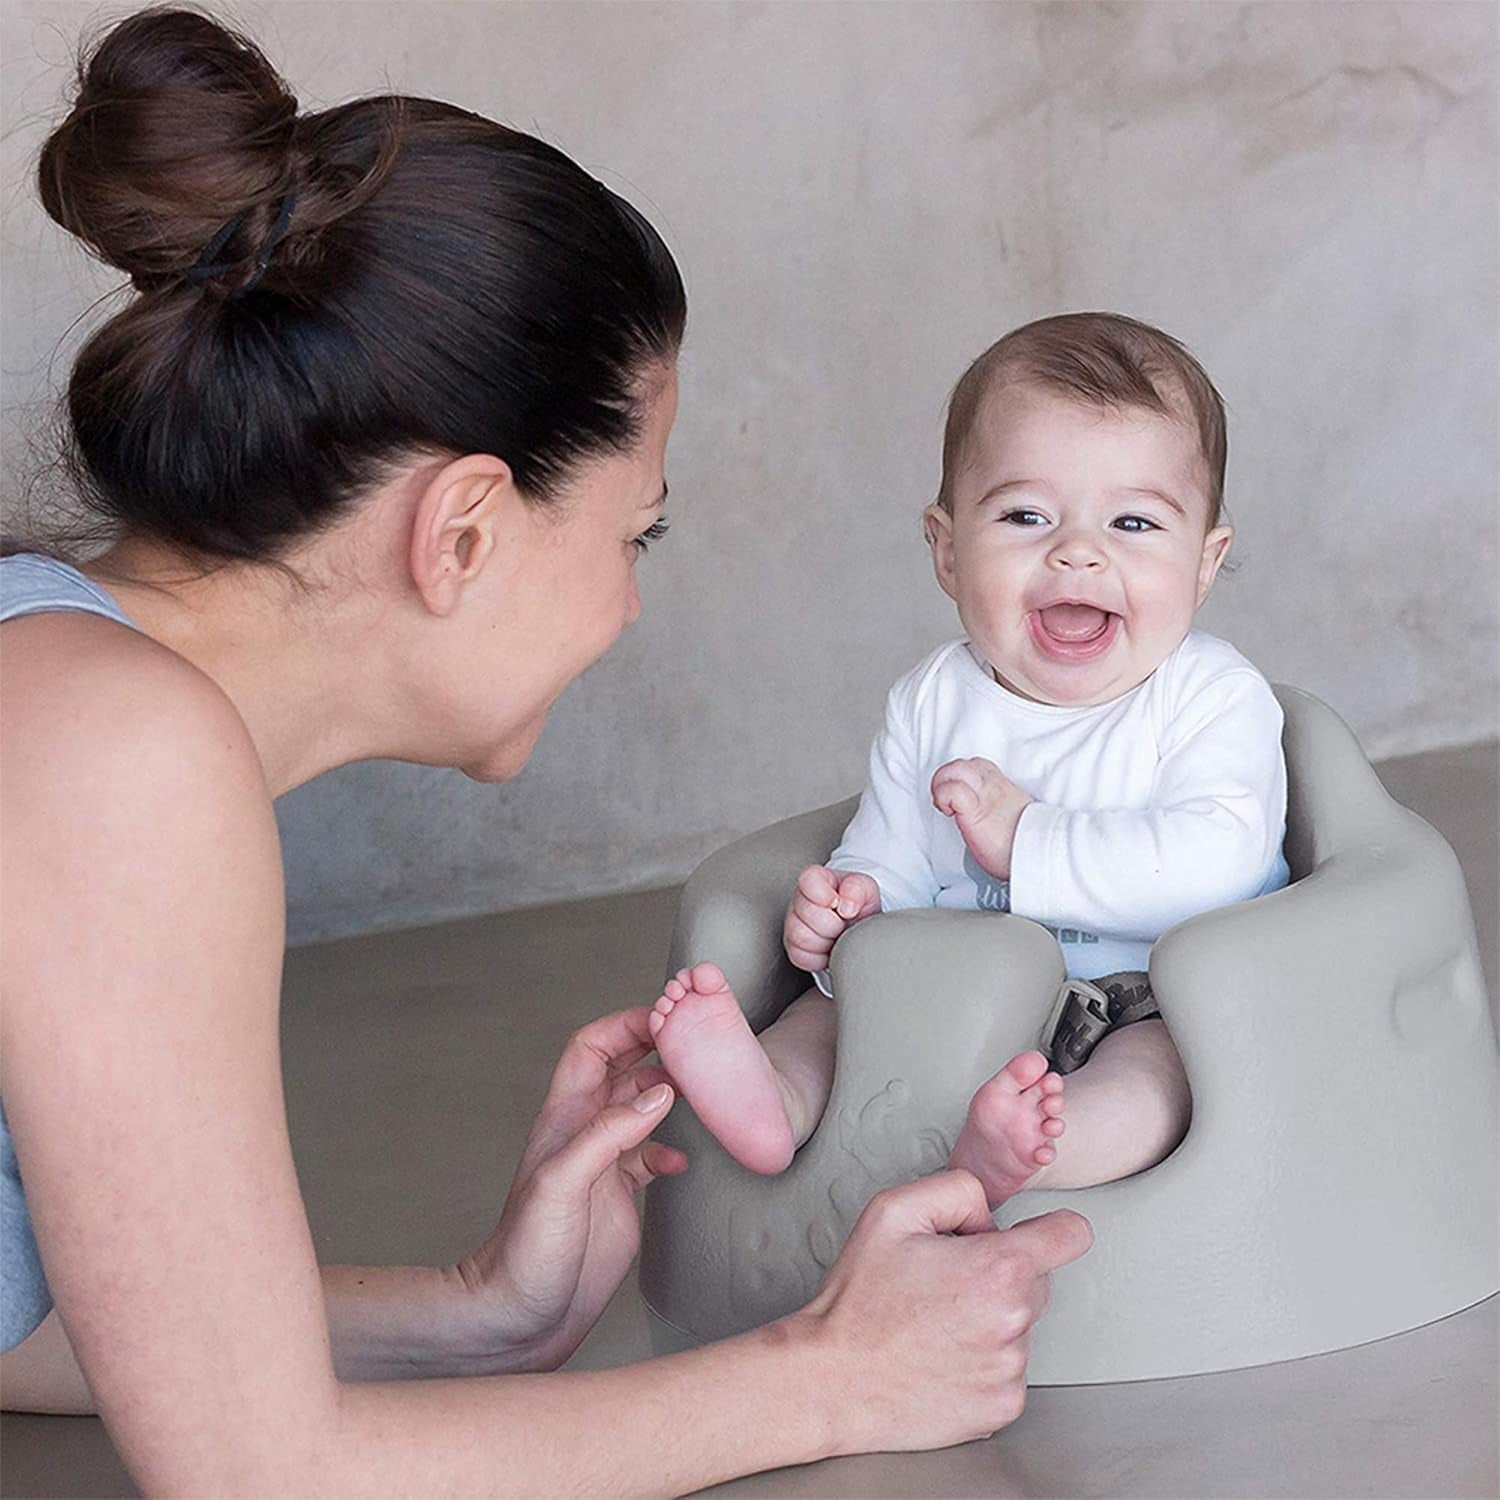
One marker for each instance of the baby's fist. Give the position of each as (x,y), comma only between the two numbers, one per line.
(826,902)
(987,807)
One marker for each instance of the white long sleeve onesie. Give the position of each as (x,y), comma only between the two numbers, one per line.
(1163,802)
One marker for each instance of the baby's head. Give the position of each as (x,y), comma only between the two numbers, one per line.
(1077,527)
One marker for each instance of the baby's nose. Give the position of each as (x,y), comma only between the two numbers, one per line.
(1077,552)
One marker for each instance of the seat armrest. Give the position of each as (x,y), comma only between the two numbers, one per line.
(1335,983)
(734,903)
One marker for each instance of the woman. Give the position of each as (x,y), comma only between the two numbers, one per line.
(381,436)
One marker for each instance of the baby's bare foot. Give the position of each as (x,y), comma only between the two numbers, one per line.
(721,1070)
(1013,1120)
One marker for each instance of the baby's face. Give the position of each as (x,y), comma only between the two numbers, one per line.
(1078,547)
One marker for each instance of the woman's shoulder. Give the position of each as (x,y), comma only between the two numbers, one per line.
(87,694)
(122,761)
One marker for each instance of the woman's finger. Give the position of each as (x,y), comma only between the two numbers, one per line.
(636,1081)
(618,1039)
(951,1202)
(1052,1240)
(646,1076)
(596,1052)
(650,1161)
(608,1136)
(586,1072)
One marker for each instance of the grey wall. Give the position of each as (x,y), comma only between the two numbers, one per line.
(862,196)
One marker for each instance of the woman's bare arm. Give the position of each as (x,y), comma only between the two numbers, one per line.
(384,1323)
(143,917)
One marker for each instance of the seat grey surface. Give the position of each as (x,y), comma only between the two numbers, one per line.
(1338,1182)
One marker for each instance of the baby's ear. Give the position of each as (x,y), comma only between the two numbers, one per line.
(1215,550)
(937,527)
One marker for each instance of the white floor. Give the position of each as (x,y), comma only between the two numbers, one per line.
(414,1061)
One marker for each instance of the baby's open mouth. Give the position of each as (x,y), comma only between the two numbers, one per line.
(1073,632)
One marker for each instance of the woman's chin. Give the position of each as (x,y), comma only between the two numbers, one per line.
(506,761)
(489,773)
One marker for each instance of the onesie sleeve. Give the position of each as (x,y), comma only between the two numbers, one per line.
(887,838)
(1211,835)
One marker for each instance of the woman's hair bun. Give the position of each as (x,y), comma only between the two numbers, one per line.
(179,125)
(325,295)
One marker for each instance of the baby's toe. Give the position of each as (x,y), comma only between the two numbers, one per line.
(707,979)
(1025,1070)
(1053,1128)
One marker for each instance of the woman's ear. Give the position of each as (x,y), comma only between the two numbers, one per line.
(1215,549)
(455,525)
(937,527)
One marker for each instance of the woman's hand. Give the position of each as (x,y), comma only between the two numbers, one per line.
(570,1228)
(927,1313)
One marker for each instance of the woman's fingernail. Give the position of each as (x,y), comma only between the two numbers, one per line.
(653,1099)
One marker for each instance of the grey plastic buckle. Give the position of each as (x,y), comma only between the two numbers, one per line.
(1079,1021)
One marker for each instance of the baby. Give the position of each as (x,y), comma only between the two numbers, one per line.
(1082,757)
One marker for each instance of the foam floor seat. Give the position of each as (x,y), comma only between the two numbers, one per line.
(1338,1182)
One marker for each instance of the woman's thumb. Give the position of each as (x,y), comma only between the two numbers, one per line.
(613,1132)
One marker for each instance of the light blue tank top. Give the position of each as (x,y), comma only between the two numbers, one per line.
(31,584)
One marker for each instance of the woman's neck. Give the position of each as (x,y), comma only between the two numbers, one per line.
(292,657)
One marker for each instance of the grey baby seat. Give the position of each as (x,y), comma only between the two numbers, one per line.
(1338,1182)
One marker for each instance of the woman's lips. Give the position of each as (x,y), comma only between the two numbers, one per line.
(1076,646)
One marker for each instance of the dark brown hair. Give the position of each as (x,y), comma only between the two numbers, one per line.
(1103,358)
(443,284)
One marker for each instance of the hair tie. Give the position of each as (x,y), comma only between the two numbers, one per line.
(206,267)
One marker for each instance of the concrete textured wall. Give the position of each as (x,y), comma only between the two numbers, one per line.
(862,196)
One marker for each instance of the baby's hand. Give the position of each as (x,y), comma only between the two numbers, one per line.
(826,902)
(985,804)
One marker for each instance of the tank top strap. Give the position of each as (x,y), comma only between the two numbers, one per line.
(32,583)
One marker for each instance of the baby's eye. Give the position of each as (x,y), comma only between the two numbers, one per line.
(1137,524)
(1023,516)
(653,533)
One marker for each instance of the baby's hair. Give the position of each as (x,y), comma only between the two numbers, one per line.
(1103,358)
(318,296)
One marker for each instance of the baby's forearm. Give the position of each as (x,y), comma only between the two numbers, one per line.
(1135,872)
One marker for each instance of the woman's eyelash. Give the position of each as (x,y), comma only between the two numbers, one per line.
(653,533)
